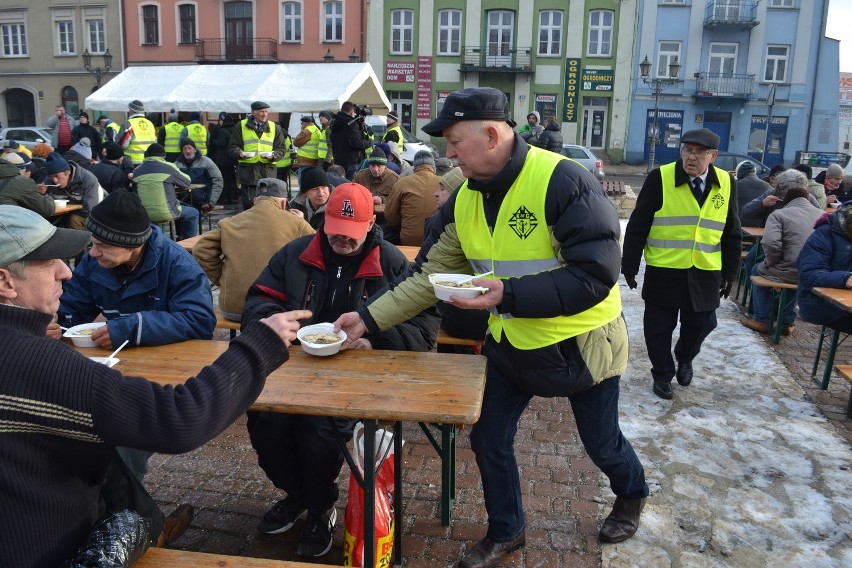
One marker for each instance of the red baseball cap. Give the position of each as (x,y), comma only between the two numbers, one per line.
(349,211)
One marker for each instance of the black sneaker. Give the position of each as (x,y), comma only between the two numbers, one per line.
(281,517)
(316,536)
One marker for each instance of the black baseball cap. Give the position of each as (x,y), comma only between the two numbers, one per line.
(478,103)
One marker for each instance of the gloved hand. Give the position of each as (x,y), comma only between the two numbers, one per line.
(725,288)
(631,281)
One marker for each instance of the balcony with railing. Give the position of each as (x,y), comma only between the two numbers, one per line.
(731,14)
(236,50)
(496,59)
(724,85)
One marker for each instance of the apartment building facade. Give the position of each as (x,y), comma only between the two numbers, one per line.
(46,46)
(743,64)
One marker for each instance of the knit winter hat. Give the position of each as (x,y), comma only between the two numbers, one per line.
(120,220)
(745,168)
(13,158)
(453,179)
(423,157)
(187,142)
(311,178)
(834,171)
(84,113)
(26,161)
(155,150)
(378,156)
(194,116)
(326,114)
(136,106)
(55,164)
(84,148)
(113,151)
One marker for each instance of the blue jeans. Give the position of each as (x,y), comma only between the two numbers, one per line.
(761,303)
(493,437)
(187,223)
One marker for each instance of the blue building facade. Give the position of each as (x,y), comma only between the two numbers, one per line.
(741,65)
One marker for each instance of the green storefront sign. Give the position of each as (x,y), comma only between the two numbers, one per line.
(597,80)
(572,83)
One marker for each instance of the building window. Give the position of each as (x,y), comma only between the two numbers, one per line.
(668,52)
(550,32)
(723,58)
(150,25)
(402,32)
(600,33)
(449,32)
(186,15)
(65,37)
(782,4)
(777,57)
(14,40)
(332,21)
(96,36)
(292,22)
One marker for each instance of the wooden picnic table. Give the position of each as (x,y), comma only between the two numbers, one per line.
(369,385)
(754,232)
(840,297)
(190,242)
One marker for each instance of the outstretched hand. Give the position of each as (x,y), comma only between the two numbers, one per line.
(353,325)
(286,324)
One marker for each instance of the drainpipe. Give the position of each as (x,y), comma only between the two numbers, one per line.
(822,27)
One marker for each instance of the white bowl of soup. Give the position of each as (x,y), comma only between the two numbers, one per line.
(447,285)
(81,335)
(319,339)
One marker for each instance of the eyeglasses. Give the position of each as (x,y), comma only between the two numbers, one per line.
(695,151)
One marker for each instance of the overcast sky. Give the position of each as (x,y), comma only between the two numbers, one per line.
(839,19)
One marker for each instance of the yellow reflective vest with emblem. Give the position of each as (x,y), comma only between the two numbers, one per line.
(171,141)
(684,235)
(197,132)
(251,143)
(143,136)
(310,149)
(522,244)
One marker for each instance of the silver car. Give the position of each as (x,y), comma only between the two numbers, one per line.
(27,136)
(585,157)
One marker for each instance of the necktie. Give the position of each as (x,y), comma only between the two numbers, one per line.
(696,189)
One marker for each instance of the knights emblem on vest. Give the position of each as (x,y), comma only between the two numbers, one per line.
(718,201)
(523,222)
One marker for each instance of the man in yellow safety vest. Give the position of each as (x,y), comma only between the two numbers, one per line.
(686,222)
(257,144)
(543,225)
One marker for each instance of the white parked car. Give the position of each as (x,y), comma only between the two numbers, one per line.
(585,157)
(27,136)
(379,124)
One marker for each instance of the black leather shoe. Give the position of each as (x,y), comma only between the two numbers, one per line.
(663,389)
(486,553)
(623,521)
(684,373)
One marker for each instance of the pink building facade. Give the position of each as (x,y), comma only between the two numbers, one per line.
(175,32)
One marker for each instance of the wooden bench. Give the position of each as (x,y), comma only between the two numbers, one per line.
(225,323)
(779,299)
(445,339)
(187,244)
(846,372)
(169,558)
(613,187)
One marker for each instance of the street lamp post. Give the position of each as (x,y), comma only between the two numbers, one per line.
(658,85)
(97,71)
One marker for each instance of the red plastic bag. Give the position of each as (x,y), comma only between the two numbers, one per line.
(353,544)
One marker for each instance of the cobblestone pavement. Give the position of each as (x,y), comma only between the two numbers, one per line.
(749,466)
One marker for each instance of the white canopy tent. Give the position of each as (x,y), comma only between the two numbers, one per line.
(294,87)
